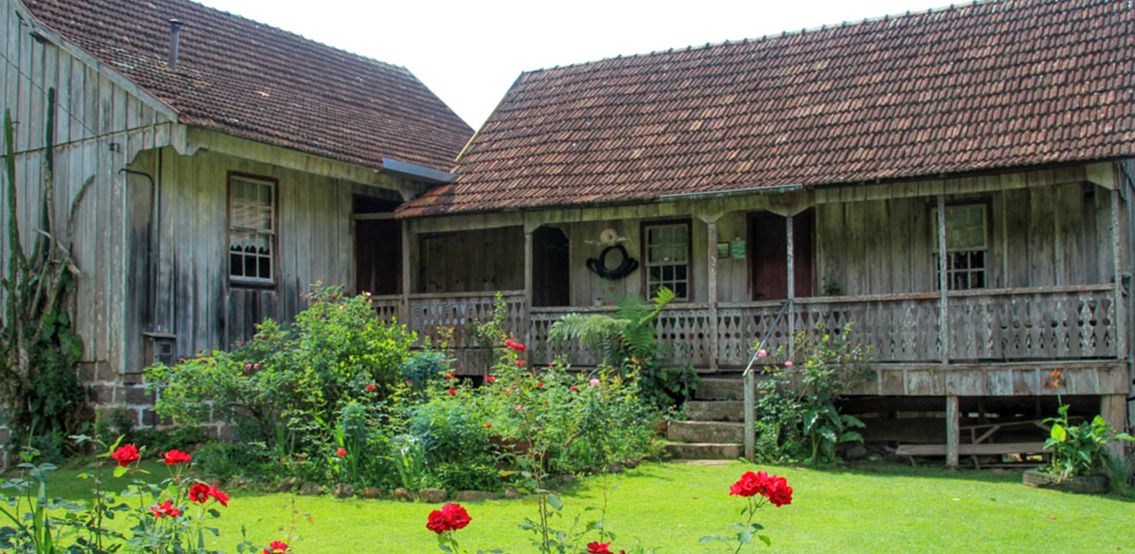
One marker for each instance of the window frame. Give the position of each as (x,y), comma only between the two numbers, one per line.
(985,249)
(644,237)
(274,240)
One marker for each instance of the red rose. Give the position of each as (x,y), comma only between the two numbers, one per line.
(750,484)
(509,343)
(199,492)
(599,548)
(165,509)
(575,388)
(341,452)
(125,454)
(437,522)
(778,492)
(490,379)
(488,426)
(221,497)
(277,547)
(371,387)
(519,363)
(176,457)
(457,516)
(451,392)
(540,384)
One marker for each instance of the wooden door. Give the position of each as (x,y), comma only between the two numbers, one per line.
(768,256)
(378,247)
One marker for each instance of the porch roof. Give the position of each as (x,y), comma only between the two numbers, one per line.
(258,82)
(1014,83)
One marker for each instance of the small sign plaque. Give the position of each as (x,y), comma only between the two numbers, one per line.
(738,249)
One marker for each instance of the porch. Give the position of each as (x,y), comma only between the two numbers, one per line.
(996,342)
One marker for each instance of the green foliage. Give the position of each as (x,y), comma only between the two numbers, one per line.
(1079,449)
(628,341)
(797,404)
(39,350)
(303,374)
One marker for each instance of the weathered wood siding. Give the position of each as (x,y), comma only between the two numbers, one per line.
(485,260)
(195,299)
(101,121)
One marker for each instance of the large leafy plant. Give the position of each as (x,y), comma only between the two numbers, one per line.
(628,341)
(1078,449)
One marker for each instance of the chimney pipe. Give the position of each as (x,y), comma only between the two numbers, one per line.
(174,42)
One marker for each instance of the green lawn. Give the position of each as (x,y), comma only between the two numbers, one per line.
(862,509)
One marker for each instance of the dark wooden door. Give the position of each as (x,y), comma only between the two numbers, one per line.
(378,256)
(768,255)
(551,268)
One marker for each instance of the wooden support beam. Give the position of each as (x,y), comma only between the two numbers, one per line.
(944,287)
(711,239)
(953,431)
(790,243)
(1117,252)
(407,282)
(528,280)
(750,415)
(1113,409)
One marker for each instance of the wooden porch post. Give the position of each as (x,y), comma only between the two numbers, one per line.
(1117,258)
(943,284)
(407,285)
(790,242)
(528,279)
(953,431)
(711,286)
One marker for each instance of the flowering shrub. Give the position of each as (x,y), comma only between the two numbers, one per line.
(168,517)
(758,490)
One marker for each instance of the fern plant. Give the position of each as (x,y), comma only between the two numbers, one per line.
(628,341)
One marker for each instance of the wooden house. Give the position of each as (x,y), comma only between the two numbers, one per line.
(955,182)
(233,165)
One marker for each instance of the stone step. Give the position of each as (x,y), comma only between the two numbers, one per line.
(705,431)
(720,388)
(714,410)
(703,451)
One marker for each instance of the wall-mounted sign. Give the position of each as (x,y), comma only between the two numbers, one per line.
(723,250)
(738,249)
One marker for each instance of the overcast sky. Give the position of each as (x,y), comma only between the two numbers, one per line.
(470,52)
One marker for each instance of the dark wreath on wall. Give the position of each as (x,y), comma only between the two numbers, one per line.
(599,265)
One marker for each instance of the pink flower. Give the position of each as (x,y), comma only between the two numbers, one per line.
(255,366)
(788,363)
(762,353)
(247,366)
(595,381)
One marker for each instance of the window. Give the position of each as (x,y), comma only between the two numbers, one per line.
(252,230)
(667,258)
(966,246)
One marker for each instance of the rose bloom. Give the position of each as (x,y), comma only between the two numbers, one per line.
(199,492)
(595,381)
(277,547)
(451,392)
(788,363)
(341,452)
(371,387)
(165,509)
(450,517)
(490,379)
(176,457)
(575,388)
(488,426)
(519,363)
(540,384)
(762,353)
(221,497)
(125,454)
(599,548)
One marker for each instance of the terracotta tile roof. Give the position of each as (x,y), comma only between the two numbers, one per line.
(988,85)
(254,81)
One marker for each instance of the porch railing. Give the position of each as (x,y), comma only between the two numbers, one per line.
(1050,323)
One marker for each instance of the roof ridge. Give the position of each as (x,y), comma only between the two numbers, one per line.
(291,33)
(784,34)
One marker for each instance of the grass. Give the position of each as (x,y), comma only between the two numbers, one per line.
(872,508)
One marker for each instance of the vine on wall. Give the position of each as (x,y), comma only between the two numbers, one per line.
(39,349)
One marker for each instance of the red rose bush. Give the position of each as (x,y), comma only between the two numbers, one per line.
(758,489)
